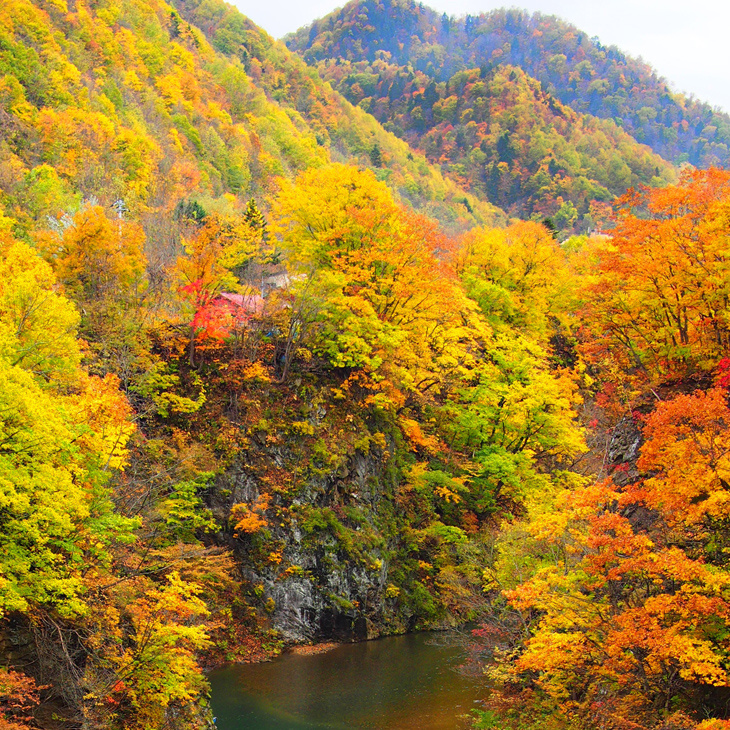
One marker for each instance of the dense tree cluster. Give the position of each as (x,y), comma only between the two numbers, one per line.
(133,103)
(625,611)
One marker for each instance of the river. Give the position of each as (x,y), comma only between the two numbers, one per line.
(399,683)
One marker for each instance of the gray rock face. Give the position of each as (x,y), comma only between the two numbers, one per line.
(623,451)
(625,442)
(330,590)
(308,610)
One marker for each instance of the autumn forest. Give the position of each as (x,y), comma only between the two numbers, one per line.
(406,322)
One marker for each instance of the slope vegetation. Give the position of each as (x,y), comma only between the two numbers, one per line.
(499,134)
(128,101)
(227,426)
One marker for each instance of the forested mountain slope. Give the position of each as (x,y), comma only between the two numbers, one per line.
(576,69)
(129,101)
(223,428)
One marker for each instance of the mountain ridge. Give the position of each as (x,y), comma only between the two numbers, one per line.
(495,129)
(601,80)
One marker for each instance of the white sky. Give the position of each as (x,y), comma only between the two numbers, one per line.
(686,41)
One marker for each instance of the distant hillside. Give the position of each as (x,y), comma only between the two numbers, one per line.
(129,101)
(499,134)
(578,70)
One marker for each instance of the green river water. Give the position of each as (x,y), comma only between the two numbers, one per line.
(398,683)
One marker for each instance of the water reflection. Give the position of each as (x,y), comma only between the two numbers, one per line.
(398,683)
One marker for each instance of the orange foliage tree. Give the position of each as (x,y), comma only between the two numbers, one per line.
(658,289)
(632,618)
(19,694)
(98,258)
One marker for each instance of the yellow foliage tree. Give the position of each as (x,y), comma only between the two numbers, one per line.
(60,429)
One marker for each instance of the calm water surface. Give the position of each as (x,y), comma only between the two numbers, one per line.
(399,683)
